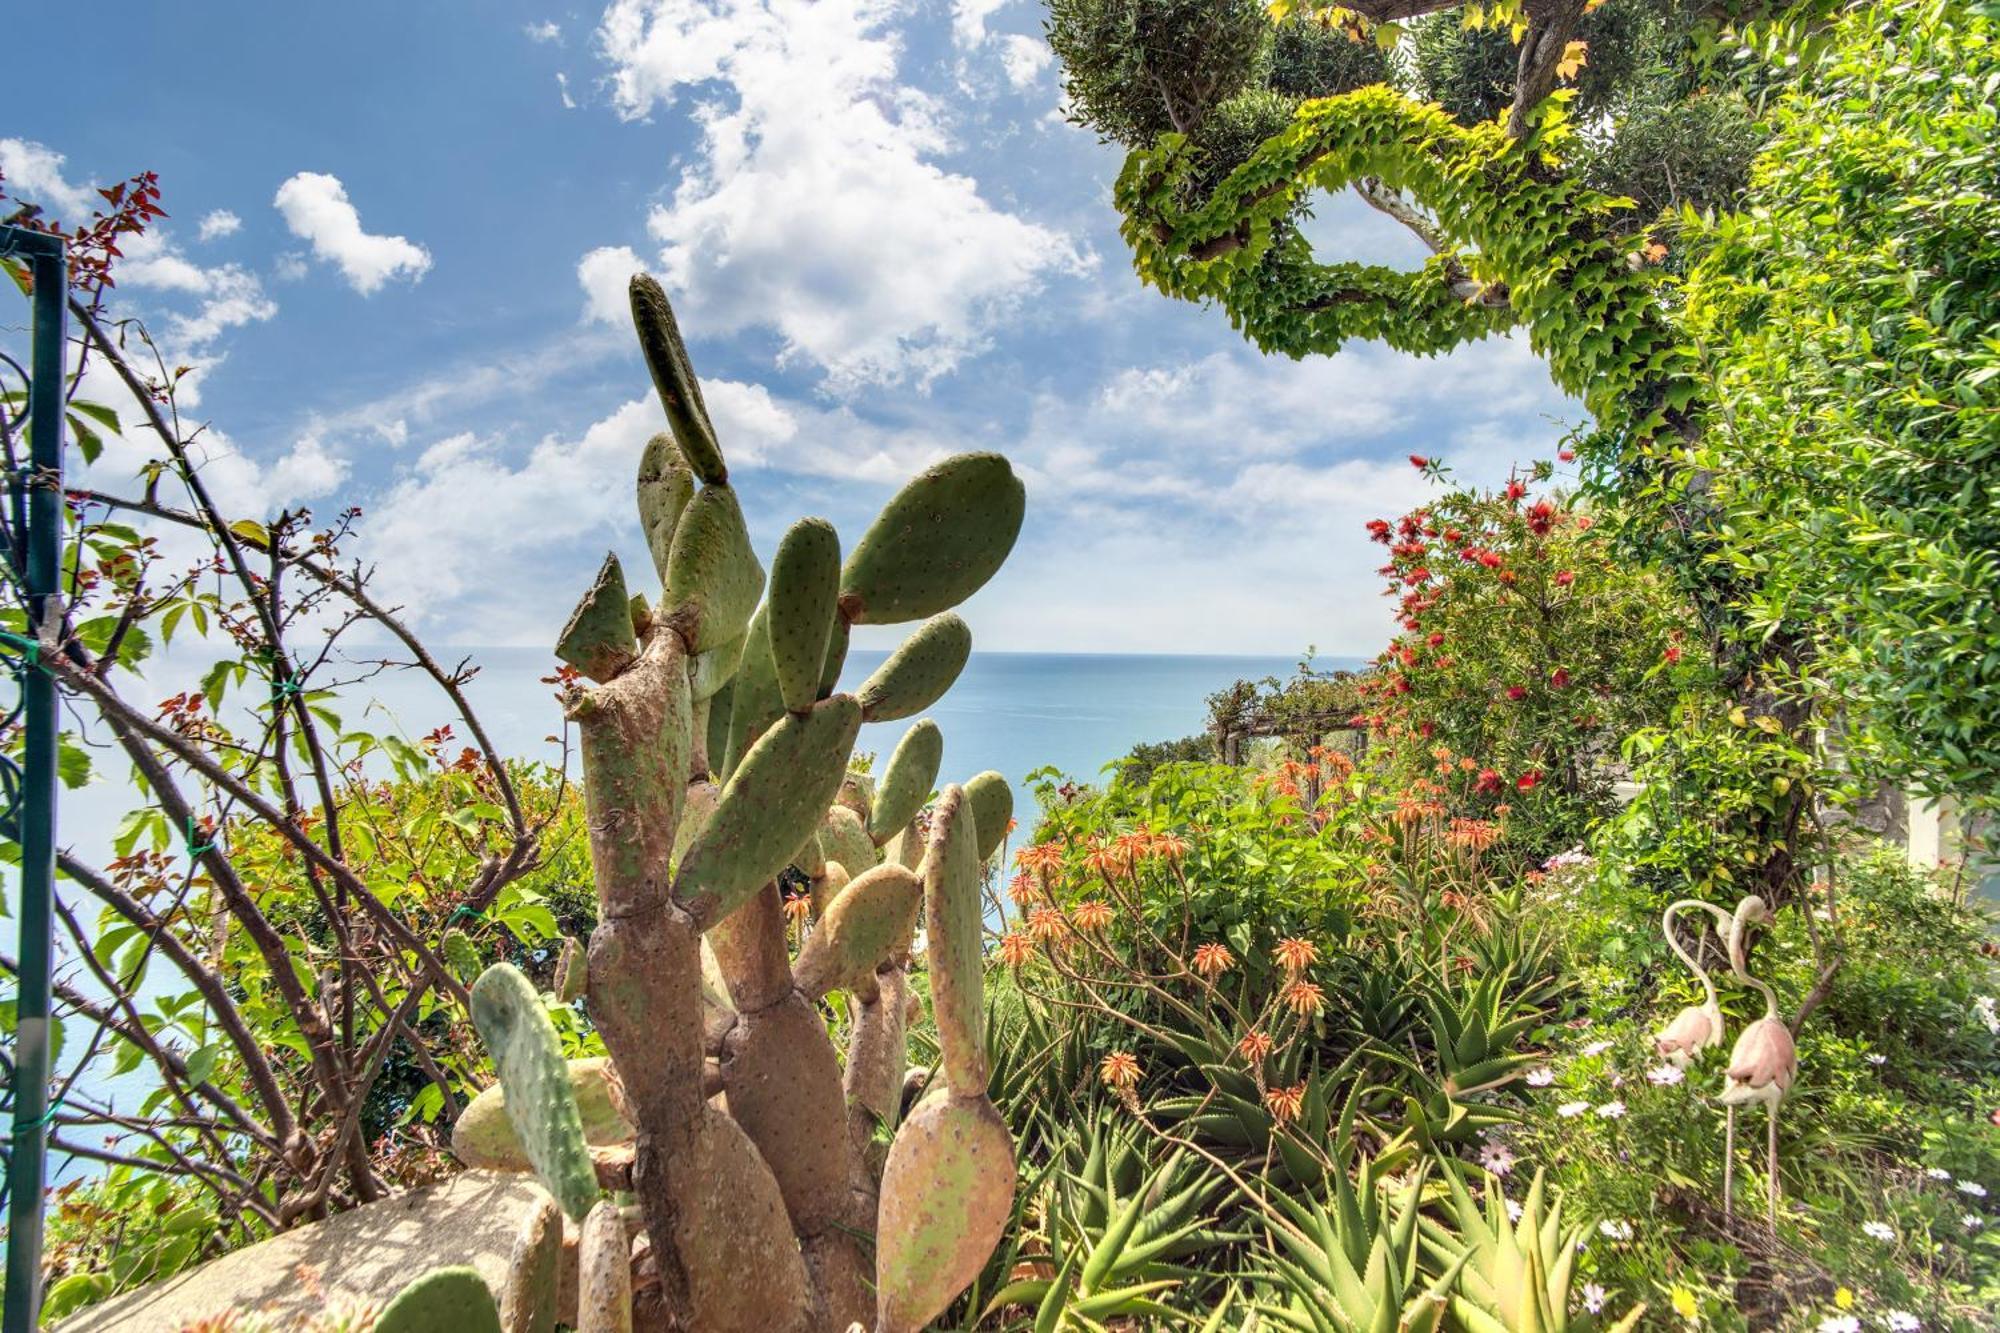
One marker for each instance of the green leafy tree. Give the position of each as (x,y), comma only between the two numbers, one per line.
(1849,327)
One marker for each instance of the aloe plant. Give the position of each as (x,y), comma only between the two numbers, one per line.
(1116,1238)
(1514,1276)
(1353,1262)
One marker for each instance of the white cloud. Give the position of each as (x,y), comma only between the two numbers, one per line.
(219,223)
(1024,59)
(816,205)
(604,274)
(562,87)
(34,175)
(968,20)
(546,31)
(316,208)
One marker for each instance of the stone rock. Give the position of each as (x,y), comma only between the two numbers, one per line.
(363,1256)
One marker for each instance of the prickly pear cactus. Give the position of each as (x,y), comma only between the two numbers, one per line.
(444,1300)
(715,758)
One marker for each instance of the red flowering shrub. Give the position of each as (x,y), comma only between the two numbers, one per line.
(1528,651)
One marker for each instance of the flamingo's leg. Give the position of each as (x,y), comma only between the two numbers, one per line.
(1728,1162)
(1771,1163)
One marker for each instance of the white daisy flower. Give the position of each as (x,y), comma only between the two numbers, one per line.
(1541,1076)
(1569,1109)
(1513,1210)
(1595,1048)
(1497,1158)
(1877,1058)
(1611,1110)
(1901,1321)
(1972,1222)
(1879,1230)
(1616,1229)
(1972,1187)
(1989,1012)
(1840,1323)
(1665,1076)
(1938,1173)
(1593,1297)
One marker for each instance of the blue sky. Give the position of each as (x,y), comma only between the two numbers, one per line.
(398,247)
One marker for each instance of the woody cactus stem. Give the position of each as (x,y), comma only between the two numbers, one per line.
(715,750)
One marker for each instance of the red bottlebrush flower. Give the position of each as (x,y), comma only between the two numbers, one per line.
(1419,461)
(1509,577)
(1541,517)
(1565,577)
(1425,730)
(1490,559)
(1409,656)
(1517,692)
(1378,530)
(1516,489)
(1566,455)
(1673,655)
(1416,576)
(1584,522)
(1528,781)
(1434,640)
(1560,680)
(1454,536)
(1411,622)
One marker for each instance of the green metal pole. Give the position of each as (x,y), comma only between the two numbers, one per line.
(27,1162)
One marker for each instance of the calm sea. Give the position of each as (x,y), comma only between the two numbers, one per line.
(1014,712)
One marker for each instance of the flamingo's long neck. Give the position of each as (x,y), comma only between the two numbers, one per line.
(1736,965)
(1674,943)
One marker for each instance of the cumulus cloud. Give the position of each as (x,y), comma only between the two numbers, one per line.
(815,204)
(1024,59)
(604,274)
(219,223)
(34,174)
(546,31)
(316,208)
(968,20)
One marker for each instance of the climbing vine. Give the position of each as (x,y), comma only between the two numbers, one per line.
(1533,249)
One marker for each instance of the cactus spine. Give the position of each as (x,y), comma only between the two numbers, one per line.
(715,749)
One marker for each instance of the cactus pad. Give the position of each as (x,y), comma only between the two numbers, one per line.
(665,486)
(444,1300)
(598,640)
(947,1192)
(541,1104)
(708,672)
(865,922)
(604,1273)
(906,784)
(534,1271)
(680,393)
(936,543)
(805,584)
(768,808)
(844,838)
(713,578)
(918,673)
(992,802)
(951,926)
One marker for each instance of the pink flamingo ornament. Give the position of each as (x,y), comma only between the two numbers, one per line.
(1698,1026)
(1761,1067)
